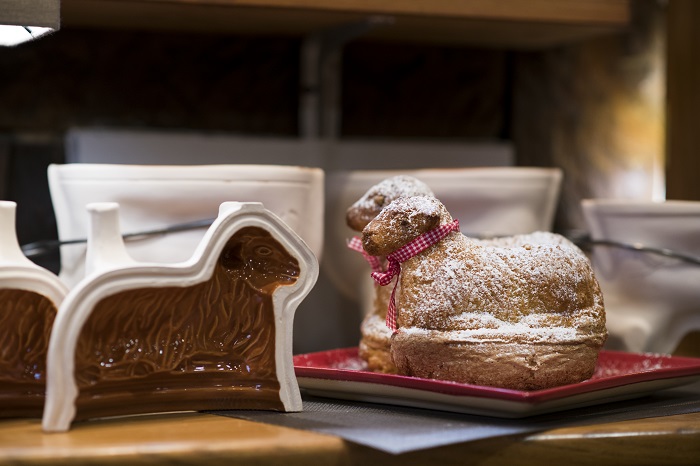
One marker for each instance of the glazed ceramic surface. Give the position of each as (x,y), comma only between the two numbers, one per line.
(211,332)
(153,197)
(651,301)
(29,299)
(487,201)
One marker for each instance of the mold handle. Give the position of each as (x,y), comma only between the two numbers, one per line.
(105,248)
(10,251)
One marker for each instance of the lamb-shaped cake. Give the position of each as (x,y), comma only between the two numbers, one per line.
(29,298)
(375,344)
(523,312)
(213,332)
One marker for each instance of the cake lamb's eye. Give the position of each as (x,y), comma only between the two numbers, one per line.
(379,200)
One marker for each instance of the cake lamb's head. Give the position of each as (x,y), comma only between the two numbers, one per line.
(381,195)
(405,219)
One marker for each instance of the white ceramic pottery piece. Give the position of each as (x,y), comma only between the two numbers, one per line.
(156,196)
(487,201)
(211,332)
(651,301)
(29,298)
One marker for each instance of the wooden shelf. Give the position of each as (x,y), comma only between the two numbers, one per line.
(503,23)
(192,438)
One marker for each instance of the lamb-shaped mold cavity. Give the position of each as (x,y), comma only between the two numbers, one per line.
(213,332)
(29,298)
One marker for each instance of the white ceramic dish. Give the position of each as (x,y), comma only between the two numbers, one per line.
(619,376)
(172,355)
(156,196)
(651,301)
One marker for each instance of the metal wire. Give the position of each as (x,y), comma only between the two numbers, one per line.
(638,247)
(42,247)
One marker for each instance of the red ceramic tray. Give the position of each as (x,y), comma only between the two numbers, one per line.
(342,374)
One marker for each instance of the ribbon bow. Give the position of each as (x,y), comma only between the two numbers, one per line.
(395,259)
(375,262)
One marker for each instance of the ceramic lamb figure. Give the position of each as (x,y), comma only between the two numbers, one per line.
(523,312)
(213,332)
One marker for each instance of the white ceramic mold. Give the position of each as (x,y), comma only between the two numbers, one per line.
(29,298)
(156,196)
(487,201)
(651,301)
(138,337)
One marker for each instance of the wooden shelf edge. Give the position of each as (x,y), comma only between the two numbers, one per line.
(542,23)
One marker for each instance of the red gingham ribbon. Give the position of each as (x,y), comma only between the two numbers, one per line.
(402,254)
(356,245)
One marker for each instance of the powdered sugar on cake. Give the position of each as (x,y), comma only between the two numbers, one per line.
(382,194)
(390,189)
(488,289)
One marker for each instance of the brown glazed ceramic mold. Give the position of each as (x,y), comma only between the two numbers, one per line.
(29,298)
(213,332)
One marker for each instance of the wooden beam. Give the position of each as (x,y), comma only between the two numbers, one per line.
(511,23)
